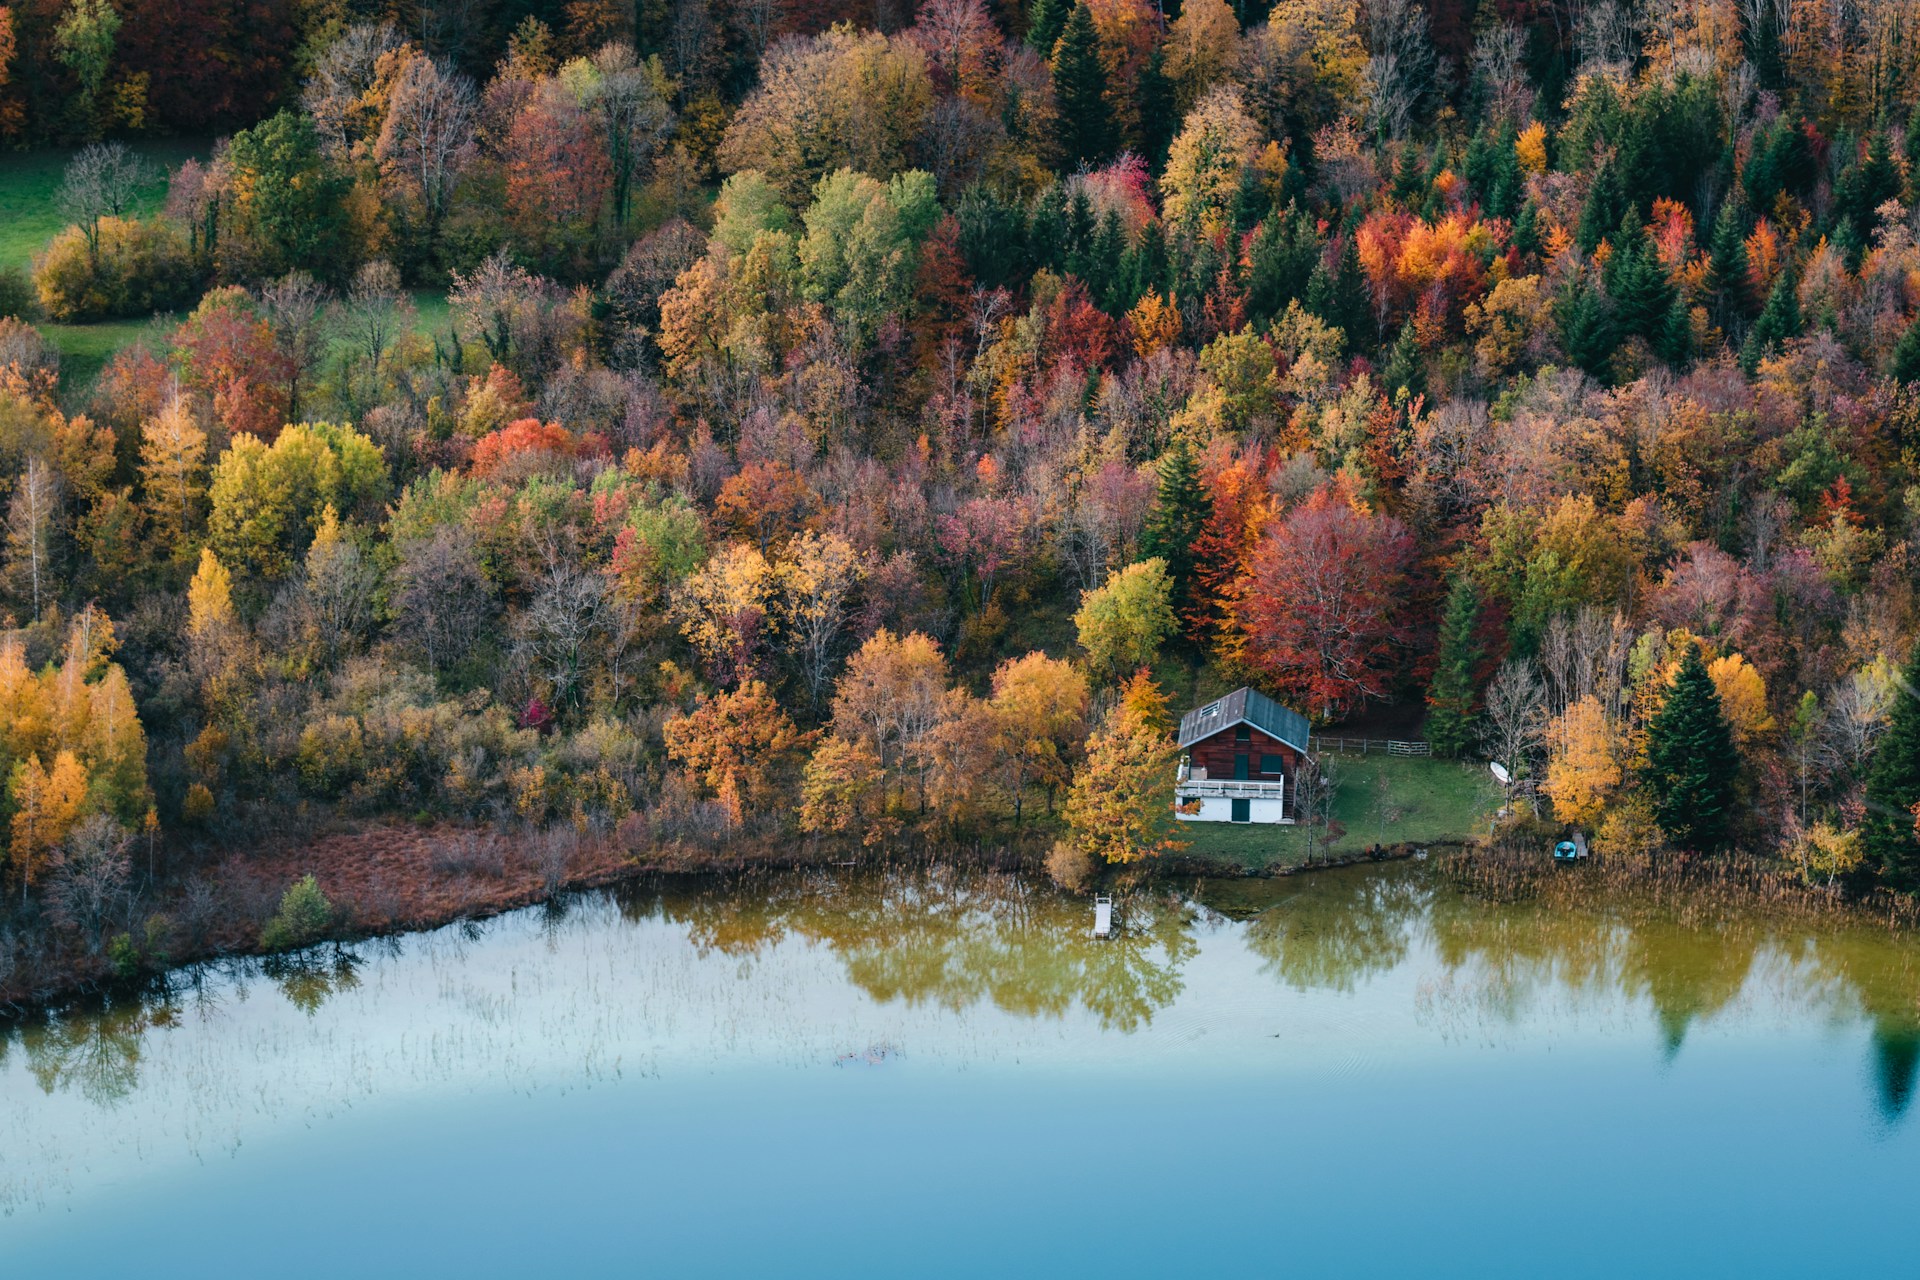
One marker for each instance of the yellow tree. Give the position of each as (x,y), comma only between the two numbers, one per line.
(725,609)
(842,794)
(817,582)
(209,596)
(1123,624)
(1122,797)
(738,746)
(1217,142)
(24,717)
(46,804)
(116,749)
(1743,698)
(1583,762)
(1038,716)
(892,696)
(1201,48)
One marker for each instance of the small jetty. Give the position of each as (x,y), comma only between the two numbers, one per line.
(1102,916)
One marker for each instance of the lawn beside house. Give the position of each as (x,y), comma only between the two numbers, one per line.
(1380,799)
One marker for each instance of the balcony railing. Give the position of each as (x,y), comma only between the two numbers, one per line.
(1196,783)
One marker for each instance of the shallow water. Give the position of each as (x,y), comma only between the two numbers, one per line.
(1355,1073)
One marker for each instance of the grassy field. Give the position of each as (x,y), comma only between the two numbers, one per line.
(1380,800)
(30,187)
(30,216)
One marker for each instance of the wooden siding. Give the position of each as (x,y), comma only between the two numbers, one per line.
(1215,754)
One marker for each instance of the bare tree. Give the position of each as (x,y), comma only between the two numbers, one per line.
(89,886)
(1516,717)
(338,90)
(1500,72)
(377,311)
(625,100)
(1400,64)
(427,138)
(28,548)
(296,311)
(1316,786)
(560,629)
(441,599)
(102,181)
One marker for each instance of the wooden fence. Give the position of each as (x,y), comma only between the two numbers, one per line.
(1369,746)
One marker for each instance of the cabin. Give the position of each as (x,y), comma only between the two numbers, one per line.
(1240,756)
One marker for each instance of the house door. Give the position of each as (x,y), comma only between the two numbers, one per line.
(1240,768)
(1243,811)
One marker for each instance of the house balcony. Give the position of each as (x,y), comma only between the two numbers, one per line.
(1195,782)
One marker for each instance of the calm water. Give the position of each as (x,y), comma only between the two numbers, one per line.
(1355,1073)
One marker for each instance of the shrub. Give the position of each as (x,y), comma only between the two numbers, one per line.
(304,917)
(17,298)
(1070,866)
(141,267)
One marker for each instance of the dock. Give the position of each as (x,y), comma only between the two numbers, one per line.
(1102,916)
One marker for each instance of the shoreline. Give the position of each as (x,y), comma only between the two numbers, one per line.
(388,880)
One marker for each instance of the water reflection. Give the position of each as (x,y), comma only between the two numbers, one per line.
(805,964)
(948,938)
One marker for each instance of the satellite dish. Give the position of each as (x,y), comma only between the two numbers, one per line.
(1500,772)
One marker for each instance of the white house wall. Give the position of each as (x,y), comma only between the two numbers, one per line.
(1220,809)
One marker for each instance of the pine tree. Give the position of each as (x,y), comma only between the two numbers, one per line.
(1586,328)
(1526,229)
(1605,206)
(1779,320)
(1405,368)
(1893,788)
(1452,697)
(1159,116)
(1675,340)
(1079,86)
(1179,514)
(1906,355)
(1637,283)
(1691,761)
(1045,19)
(1727,263)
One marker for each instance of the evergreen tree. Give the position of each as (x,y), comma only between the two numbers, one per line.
(1406,367)
(1586,328)
(1045,20)
(1341,298)
(1047,231)
(1159,116)
(1104,265)
(1179,515)
(1727,264)
(1893,788)
(1906,355)
(1691,761)
(1452,698)
(1675,340)
(1637,282)
(1605,206)
(1779,320)
(1148,267)
(1526,229)
(1079,86)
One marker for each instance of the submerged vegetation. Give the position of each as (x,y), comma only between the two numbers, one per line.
(674,433)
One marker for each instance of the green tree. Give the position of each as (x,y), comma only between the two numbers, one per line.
(289,200)
(1727,263)
(1179,514)
(1779,320)
(1906,355)
(1637,283)
(1123,624)
(1893,788)
(1045,20)
(1452,697)
(1080,88)
(304,917)
(1606,204)
(1691,761)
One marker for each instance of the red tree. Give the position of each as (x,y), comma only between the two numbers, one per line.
(1318,612)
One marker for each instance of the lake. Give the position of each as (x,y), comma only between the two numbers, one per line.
(1353,1073)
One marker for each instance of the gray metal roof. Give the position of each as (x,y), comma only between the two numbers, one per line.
(1252,707)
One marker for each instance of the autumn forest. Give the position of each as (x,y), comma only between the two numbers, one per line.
(702,425)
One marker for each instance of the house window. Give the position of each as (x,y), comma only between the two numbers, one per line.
(1273,764)
(1242,734)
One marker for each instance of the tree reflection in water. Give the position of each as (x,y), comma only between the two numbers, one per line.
(949,938)
(93,1049)
(1332,931)
(309,978)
